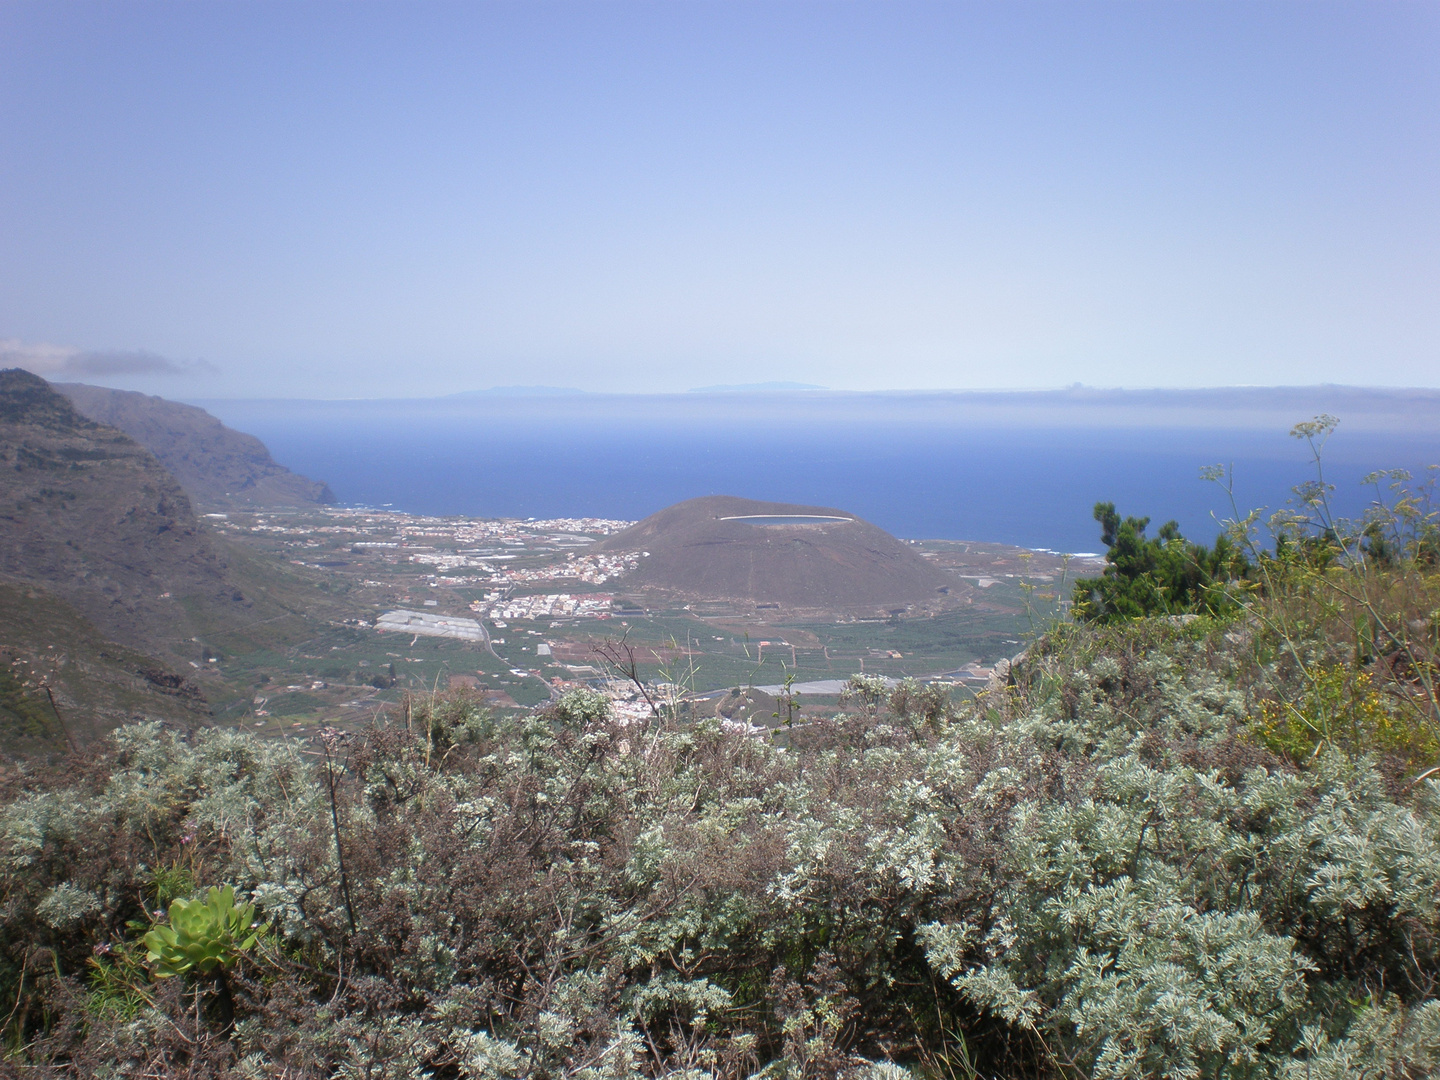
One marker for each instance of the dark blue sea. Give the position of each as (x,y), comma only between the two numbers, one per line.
(1019,469)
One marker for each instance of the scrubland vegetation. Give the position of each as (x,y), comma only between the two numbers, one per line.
(1198,839)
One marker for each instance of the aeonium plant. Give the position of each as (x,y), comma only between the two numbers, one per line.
(203,935)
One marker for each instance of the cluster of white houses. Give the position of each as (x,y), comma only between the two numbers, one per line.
(547,605)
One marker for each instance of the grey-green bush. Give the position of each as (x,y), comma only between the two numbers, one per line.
(1096,872)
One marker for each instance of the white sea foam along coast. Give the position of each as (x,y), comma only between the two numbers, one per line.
(426,625)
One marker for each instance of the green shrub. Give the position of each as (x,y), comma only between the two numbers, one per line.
(1347,708)
(1164,575)
(203,935)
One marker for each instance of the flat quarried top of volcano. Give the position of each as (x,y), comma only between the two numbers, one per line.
(788,519)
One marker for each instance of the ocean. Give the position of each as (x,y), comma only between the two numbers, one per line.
(1019,469)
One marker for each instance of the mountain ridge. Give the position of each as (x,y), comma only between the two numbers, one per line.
(219,467)
(93,516)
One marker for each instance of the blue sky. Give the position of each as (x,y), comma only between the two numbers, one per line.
(355,200)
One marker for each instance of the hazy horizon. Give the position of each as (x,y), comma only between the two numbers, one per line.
(1263,409)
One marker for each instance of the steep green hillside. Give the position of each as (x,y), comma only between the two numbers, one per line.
(94,684)
(91,515)
(110,548)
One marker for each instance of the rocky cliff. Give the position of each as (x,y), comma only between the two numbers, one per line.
(220,468)
(91,515)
